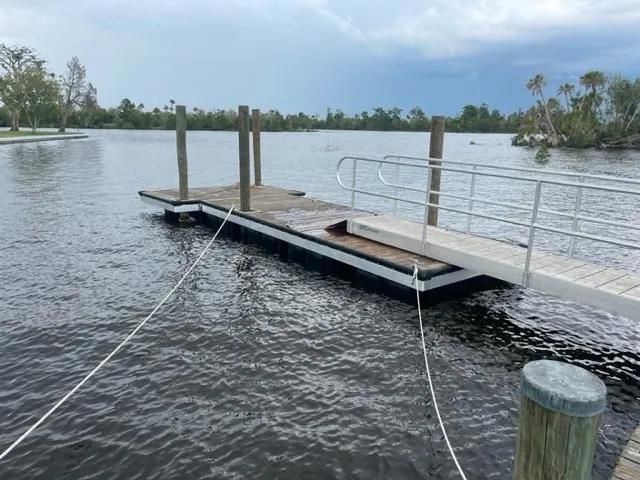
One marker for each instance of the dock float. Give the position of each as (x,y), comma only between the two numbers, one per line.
(310,230)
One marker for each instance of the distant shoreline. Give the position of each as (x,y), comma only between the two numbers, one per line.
(41,138)
(301,130)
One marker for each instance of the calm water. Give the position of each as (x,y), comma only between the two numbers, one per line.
(258,368)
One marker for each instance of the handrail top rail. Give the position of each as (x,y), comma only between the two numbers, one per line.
(486,174)
(608,178)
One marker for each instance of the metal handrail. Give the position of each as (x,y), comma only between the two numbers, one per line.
(471,198)
(608,178)
(534,210)
(509,177)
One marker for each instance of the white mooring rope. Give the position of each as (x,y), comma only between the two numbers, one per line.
(426,364)
(117,349)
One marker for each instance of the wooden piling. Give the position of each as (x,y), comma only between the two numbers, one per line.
(560,411)
(181,150)
(436,144)
(181,147)
(244,161)
(257,160)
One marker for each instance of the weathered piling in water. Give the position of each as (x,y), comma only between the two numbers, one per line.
(560,411)
(244,160)
(436,144)
(181,150)
(257,160)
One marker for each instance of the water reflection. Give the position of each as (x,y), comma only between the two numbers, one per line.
(259,368)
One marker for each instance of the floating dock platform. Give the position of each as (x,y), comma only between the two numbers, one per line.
(314,233)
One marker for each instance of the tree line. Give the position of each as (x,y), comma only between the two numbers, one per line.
(600,111)
(32,95)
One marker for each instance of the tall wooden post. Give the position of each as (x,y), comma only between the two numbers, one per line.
(257,160)
(560,413)
(181,147)
(181,150)
(436,144)
(245,160)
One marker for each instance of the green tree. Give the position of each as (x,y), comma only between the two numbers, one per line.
(127,114)
(417,119)
(14,62)
(41,94)
(623,104)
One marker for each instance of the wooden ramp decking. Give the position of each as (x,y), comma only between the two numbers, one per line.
(628,467)
(613,290)
(312,225)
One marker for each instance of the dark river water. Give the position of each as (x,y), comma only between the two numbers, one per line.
(258,368)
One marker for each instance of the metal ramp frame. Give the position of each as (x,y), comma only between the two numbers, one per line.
(562,275)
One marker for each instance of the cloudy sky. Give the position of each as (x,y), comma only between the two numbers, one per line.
(307,55)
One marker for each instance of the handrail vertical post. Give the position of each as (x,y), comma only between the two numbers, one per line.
(436,145)
(353,186)
(396,179)
(257,155)
(576,212)
(472,191)
(427,212)
(532,231)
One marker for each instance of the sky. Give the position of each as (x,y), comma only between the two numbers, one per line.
(307,55)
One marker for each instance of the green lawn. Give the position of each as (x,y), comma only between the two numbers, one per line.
(25,133)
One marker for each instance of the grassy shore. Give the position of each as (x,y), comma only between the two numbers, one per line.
(25,133)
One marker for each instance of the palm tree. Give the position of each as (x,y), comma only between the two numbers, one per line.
(535,85)
(593,80)
(172,102)
(567,90)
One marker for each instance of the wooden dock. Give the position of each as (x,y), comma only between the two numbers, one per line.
(628,467)
(313,226)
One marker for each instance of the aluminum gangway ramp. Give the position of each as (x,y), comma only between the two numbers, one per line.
(583,282)
(593,221)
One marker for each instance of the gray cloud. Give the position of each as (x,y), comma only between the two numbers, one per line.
(309,54)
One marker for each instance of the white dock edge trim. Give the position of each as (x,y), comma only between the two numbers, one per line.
(186,208)
(405,279)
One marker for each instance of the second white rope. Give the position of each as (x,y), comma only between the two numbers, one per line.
(426,364)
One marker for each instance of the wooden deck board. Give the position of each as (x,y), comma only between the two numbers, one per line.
(628,466)
(291,210)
